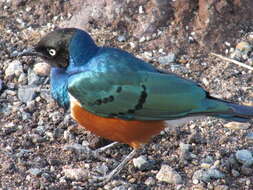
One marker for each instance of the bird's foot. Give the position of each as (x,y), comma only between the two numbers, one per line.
(102,180)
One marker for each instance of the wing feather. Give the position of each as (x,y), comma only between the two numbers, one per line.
(137,95)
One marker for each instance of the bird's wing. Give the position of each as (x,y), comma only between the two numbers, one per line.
(138,95)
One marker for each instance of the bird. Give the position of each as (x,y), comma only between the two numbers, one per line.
(120,97)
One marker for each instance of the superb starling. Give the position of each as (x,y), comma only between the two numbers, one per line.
(120,97)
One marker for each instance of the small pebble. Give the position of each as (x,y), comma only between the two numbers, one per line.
(141,163)
(102,169)
(27,93)
(205,165)
(207,175)
(205,81)
(221,187)
(77,148)
(244,47)
(169,175)
(141,11)
(121,38)
(246,170)
(42,69)
(76,173)
(35,171)
(14,68)
(195,181)
(235,173)
(150,181)
(249,136)
(185,153)
(33,78)
(22,78)
(142,39)
(121,187)
(248,182)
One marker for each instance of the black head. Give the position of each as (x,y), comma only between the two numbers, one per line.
(53,48)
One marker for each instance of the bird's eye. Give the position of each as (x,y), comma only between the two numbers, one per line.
(52,52)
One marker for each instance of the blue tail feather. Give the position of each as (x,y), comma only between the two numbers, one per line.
(238,113)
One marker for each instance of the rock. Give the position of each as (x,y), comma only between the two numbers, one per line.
(121,187)
(208,159)
(9,128)
(142,39)
(169,175)
(249,136)
(33,78)
(102,169)
(47,177)
(205,82)
(23,153)
(233,162)
(58,132)
(237,125)
(170,58)
(235,173)
(221,187)
(40,162)
(195,137)
(205,165)
(76,173)
(185,153)
(77,148)
(22,79)
(45,94)
(26,115)
(14,68)
(121,38)
(215,173)
(141,163)
(150,181)
(244,157)
(42,69)
(207,175)
(35,171)
(245,170)
(8,167)
(27,93)
(40,130)
(244,47)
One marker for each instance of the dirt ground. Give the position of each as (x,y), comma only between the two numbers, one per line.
(41,147)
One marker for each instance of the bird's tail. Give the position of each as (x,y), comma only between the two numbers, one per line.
(233,112)
(239,113)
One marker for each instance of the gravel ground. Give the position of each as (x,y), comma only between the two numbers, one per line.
(41,147)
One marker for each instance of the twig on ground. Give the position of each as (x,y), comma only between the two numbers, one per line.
(232,60)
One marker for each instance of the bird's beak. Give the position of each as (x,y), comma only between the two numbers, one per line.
(27,52)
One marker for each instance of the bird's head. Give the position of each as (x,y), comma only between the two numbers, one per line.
(57,46)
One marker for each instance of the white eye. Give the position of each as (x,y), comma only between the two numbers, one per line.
(52,52)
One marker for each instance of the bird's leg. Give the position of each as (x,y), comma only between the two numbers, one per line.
(102,149)
(115,171)
(99,150)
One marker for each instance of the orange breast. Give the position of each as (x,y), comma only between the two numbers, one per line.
(133,133)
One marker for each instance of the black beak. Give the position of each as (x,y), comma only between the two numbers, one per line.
(27,52)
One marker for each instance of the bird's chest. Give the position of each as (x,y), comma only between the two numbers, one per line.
(133,133)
